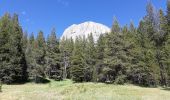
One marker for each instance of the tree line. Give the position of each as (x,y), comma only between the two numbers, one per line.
(137,55)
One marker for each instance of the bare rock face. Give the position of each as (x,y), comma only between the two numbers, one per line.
(84,29)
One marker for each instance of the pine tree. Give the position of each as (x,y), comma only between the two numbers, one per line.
(168,16)
(5,32)
(167,59)
(149,44)
(38,72)
(78,64)
(146,65)
(16,69)
(99,57)
(150,20)
(90,57)
(18,52)
(114,56)
(53,57)
(30,51)
(134,43)
(66,49)
(166,27)
(25,41)
(132,28)
(160,39)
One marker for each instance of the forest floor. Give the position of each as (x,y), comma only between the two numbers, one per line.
(67,90)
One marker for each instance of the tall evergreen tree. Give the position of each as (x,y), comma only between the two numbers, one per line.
(66,49)
(16,69)
(30,51)
(114,56)
(99,57)
(166,28)
(146,59)
(18,51)
(167,60)
(90,57)
(78,64)
(168,16)
(160,39)
(38,72)
(25,41)
(53,69)
(5,32)
(150,20)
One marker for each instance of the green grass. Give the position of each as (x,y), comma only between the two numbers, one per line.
(67,90)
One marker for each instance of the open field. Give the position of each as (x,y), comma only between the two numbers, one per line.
(67,90)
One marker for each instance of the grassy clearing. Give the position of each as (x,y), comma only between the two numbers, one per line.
(67,90)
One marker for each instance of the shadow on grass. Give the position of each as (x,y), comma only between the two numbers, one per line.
(161,87)
(16,83)
(166,88)
(143,86)
(41,80)
(45,81)
(38,81)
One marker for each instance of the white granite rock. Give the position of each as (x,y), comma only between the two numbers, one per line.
(84,29)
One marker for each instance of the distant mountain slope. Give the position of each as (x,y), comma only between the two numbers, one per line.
(84,29)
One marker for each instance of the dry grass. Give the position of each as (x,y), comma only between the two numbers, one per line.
(66,90)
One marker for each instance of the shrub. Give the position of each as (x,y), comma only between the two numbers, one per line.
(120,80)
(101,78)
(57,78)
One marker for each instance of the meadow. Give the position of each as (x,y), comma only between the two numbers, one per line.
(67,90)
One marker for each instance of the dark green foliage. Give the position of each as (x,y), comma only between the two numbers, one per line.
(25,41)
(121,79)
(99,58)
(144,59)
(168,16)
(139,70)
(13,64)
(78,67)
(167,60)
(5,26)
(167,43)
(115,56)
(38,65)
(66,49)
(160,44)
(53,69)
(29,52)
(18,57)
(150,21)
(147,54)
(90,58)
(77,72)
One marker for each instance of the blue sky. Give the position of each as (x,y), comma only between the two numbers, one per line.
(42,15)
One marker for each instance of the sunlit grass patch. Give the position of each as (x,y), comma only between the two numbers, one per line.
(67,90)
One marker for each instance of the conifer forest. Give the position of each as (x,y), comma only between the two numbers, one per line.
(129,54)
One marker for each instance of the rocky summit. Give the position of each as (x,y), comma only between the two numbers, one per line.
(84,29)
